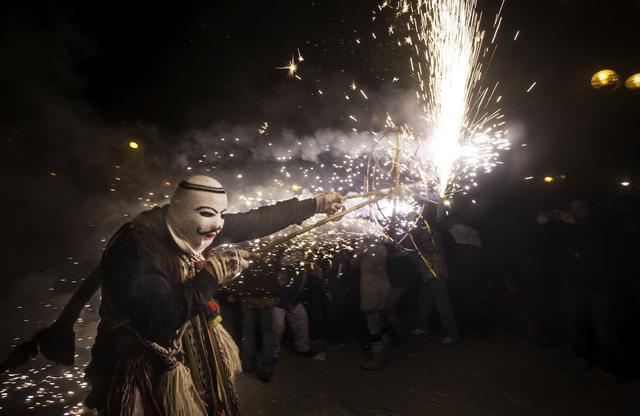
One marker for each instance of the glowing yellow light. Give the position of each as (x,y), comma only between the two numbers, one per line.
(625,183)
(291,67)
(633,82)
(548,179)
(605,78)
(133,145)
(296,188)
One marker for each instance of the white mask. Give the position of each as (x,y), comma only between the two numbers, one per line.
(196,213)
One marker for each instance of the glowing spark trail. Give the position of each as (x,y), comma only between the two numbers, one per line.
(449,58)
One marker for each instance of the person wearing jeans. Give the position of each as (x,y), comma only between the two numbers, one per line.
(257,317)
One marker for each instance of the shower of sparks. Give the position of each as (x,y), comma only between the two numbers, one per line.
(450,53)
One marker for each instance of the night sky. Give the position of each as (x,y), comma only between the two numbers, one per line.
(79,79)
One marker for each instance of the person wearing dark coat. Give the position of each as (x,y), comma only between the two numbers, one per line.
(160,348)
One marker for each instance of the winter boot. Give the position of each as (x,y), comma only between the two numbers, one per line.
(377,358)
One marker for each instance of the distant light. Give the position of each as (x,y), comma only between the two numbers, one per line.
(528,178)
(605,78)
(447,202)
(548,179)
(625,183)
(296,188)
(134,145)
(633,82)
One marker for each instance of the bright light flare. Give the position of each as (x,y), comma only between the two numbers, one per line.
(605,78)
(464,129)
(448,64)
(134,145)
(291,67)
(633,82)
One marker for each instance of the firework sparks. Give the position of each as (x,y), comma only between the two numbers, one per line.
(448,61)
(291,67)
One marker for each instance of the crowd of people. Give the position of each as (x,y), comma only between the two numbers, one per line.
(568,280)
(577,285)
(570,285)
(367,293)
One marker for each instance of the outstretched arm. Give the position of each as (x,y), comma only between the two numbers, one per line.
(265,220)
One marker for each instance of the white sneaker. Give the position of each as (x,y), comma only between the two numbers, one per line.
(417,332)
(448,340)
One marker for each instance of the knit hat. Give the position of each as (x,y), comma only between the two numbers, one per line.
(196,213)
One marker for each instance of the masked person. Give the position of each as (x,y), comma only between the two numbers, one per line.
(160,348)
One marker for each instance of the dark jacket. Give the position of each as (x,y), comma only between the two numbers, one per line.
(141,279)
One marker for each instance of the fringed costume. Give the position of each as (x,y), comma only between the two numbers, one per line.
(160,348)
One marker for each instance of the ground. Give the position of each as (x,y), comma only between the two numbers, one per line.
(497,375)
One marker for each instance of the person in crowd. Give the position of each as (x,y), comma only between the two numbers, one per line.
(429,258)
(464,252)
(590,295)
(553,247)
(374,297)
(335,299)
(626,245)
(315,306)
(257,320)
(290,309)
(400,272)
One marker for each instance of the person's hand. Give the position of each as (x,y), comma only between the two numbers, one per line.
(57,343)
(329,203)
(228,263)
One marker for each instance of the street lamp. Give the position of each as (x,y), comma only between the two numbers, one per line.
(633,82)
(605,78)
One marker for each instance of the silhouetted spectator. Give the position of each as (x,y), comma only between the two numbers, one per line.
(590,297)
(292,279)
(374,296)
(257,318)
(428,248)
(463,251)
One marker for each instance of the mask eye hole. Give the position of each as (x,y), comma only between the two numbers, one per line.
(207,214)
